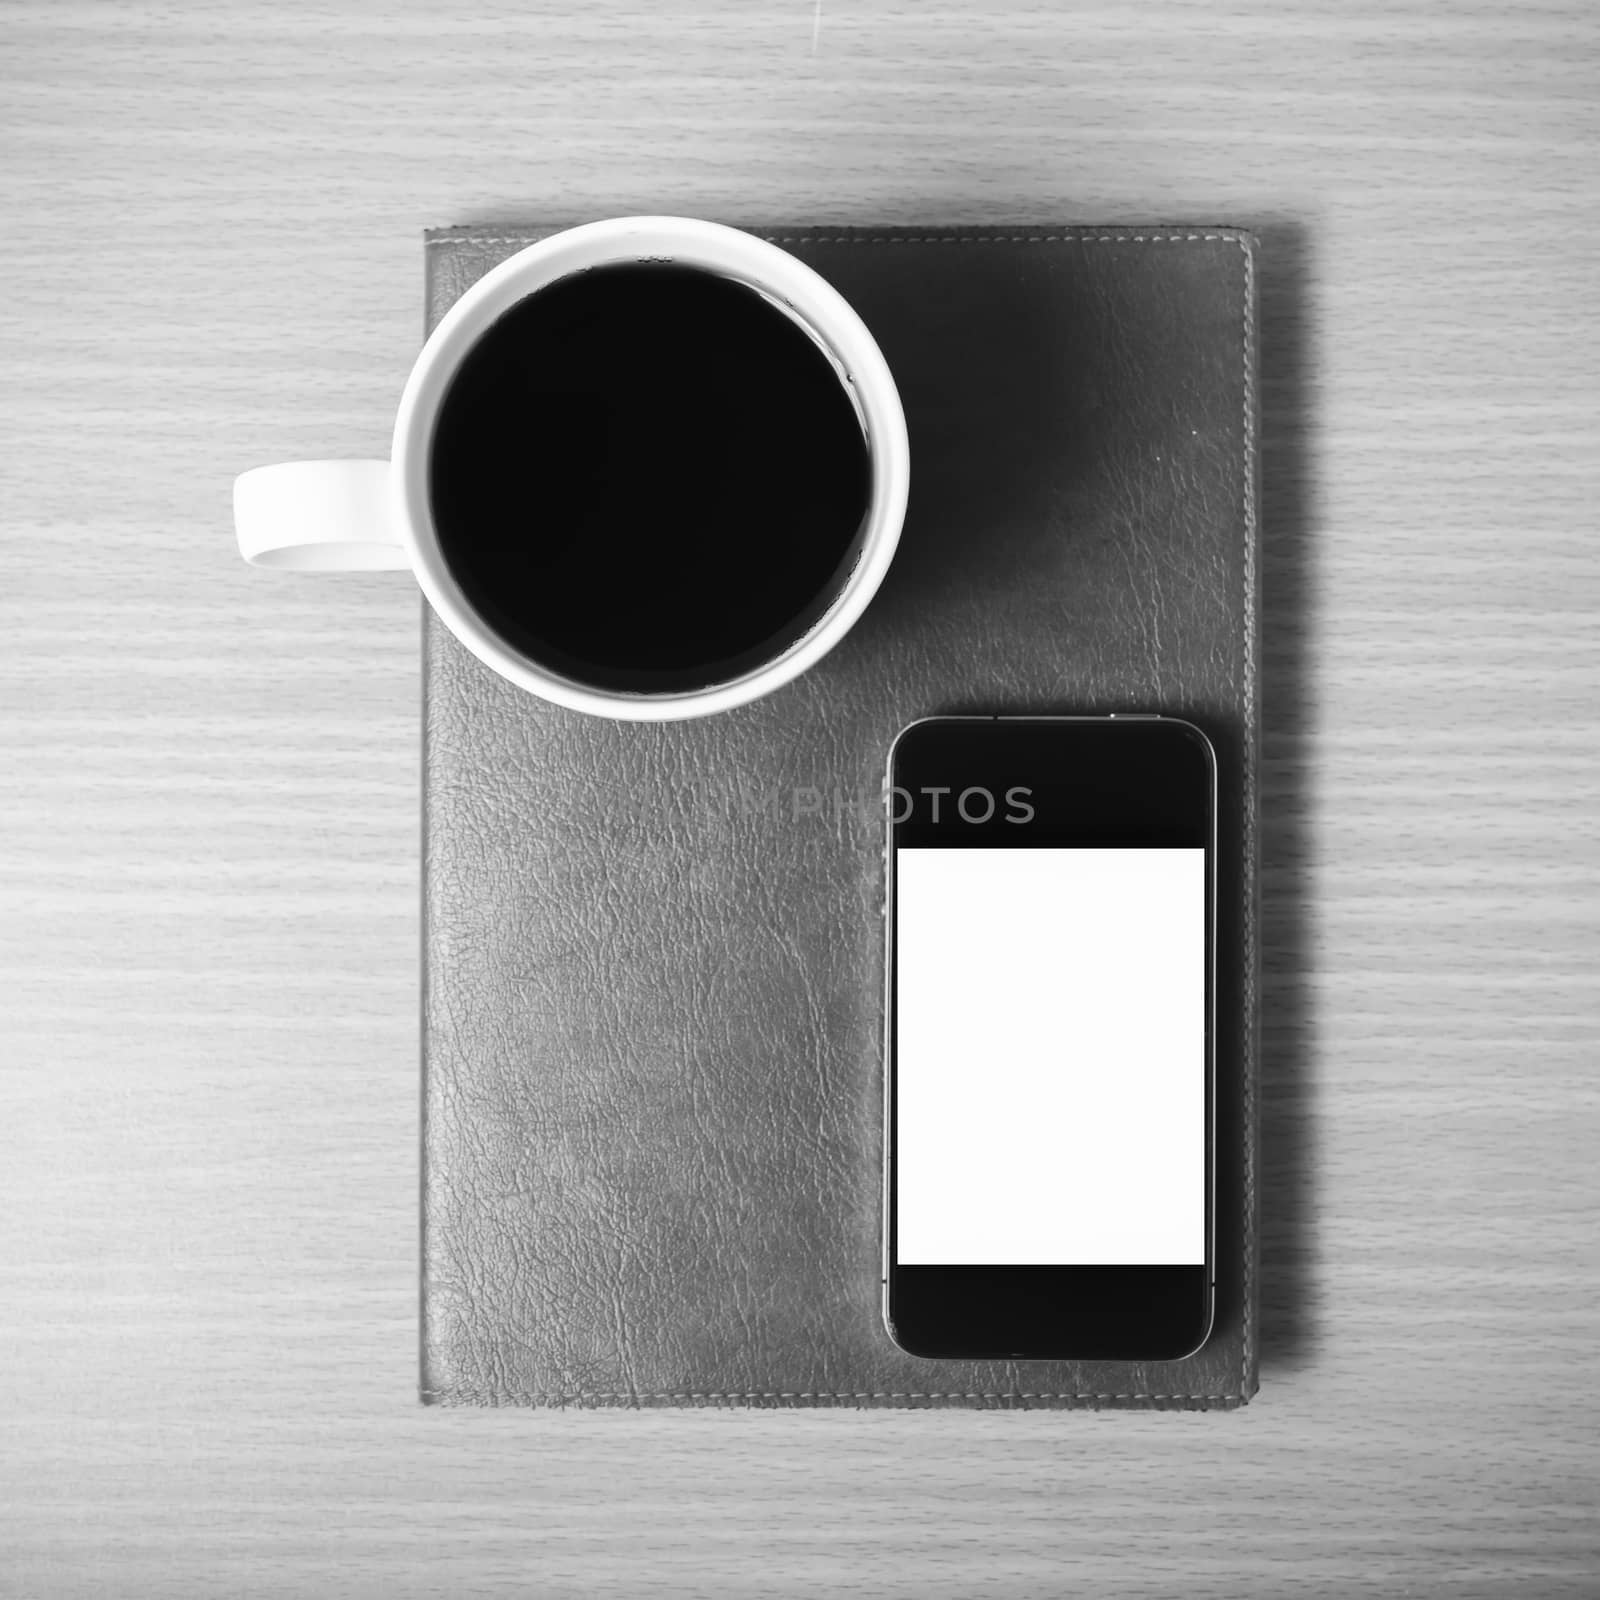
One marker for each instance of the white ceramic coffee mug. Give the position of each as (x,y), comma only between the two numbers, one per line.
(352,515)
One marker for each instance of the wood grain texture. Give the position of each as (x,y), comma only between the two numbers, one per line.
(208,927)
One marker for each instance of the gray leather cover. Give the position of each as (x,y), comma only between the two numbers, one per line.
(654,953)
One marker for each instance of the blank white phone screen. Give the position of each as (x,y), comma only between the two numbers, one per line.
(1050,1082)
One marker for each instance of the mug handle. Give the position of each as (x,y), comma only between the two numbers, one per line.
(318,516)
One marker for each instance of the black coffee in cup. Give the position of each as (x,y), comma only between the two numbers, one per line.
(648,478)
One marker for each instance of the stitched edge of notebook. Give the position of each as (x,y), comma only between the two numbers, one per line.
(580,1399)
(467,235)
(1252,739)
(436,237)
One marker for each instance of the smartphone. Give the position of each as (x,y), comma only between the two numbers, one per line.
(1049,1149)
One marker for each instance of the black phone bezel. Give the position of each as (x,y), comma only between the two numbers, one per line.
(1109,780)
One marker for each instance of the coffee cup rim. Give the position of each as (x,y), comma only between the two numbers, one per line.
(710,246)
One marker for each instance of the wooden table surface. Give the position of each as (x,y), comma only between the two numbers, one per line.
(210,229)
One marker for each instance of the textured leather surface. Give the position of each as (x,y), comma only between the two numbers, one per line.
(654,953)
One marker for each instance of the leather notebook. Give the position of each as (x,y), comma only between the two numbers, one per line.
(653,952)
